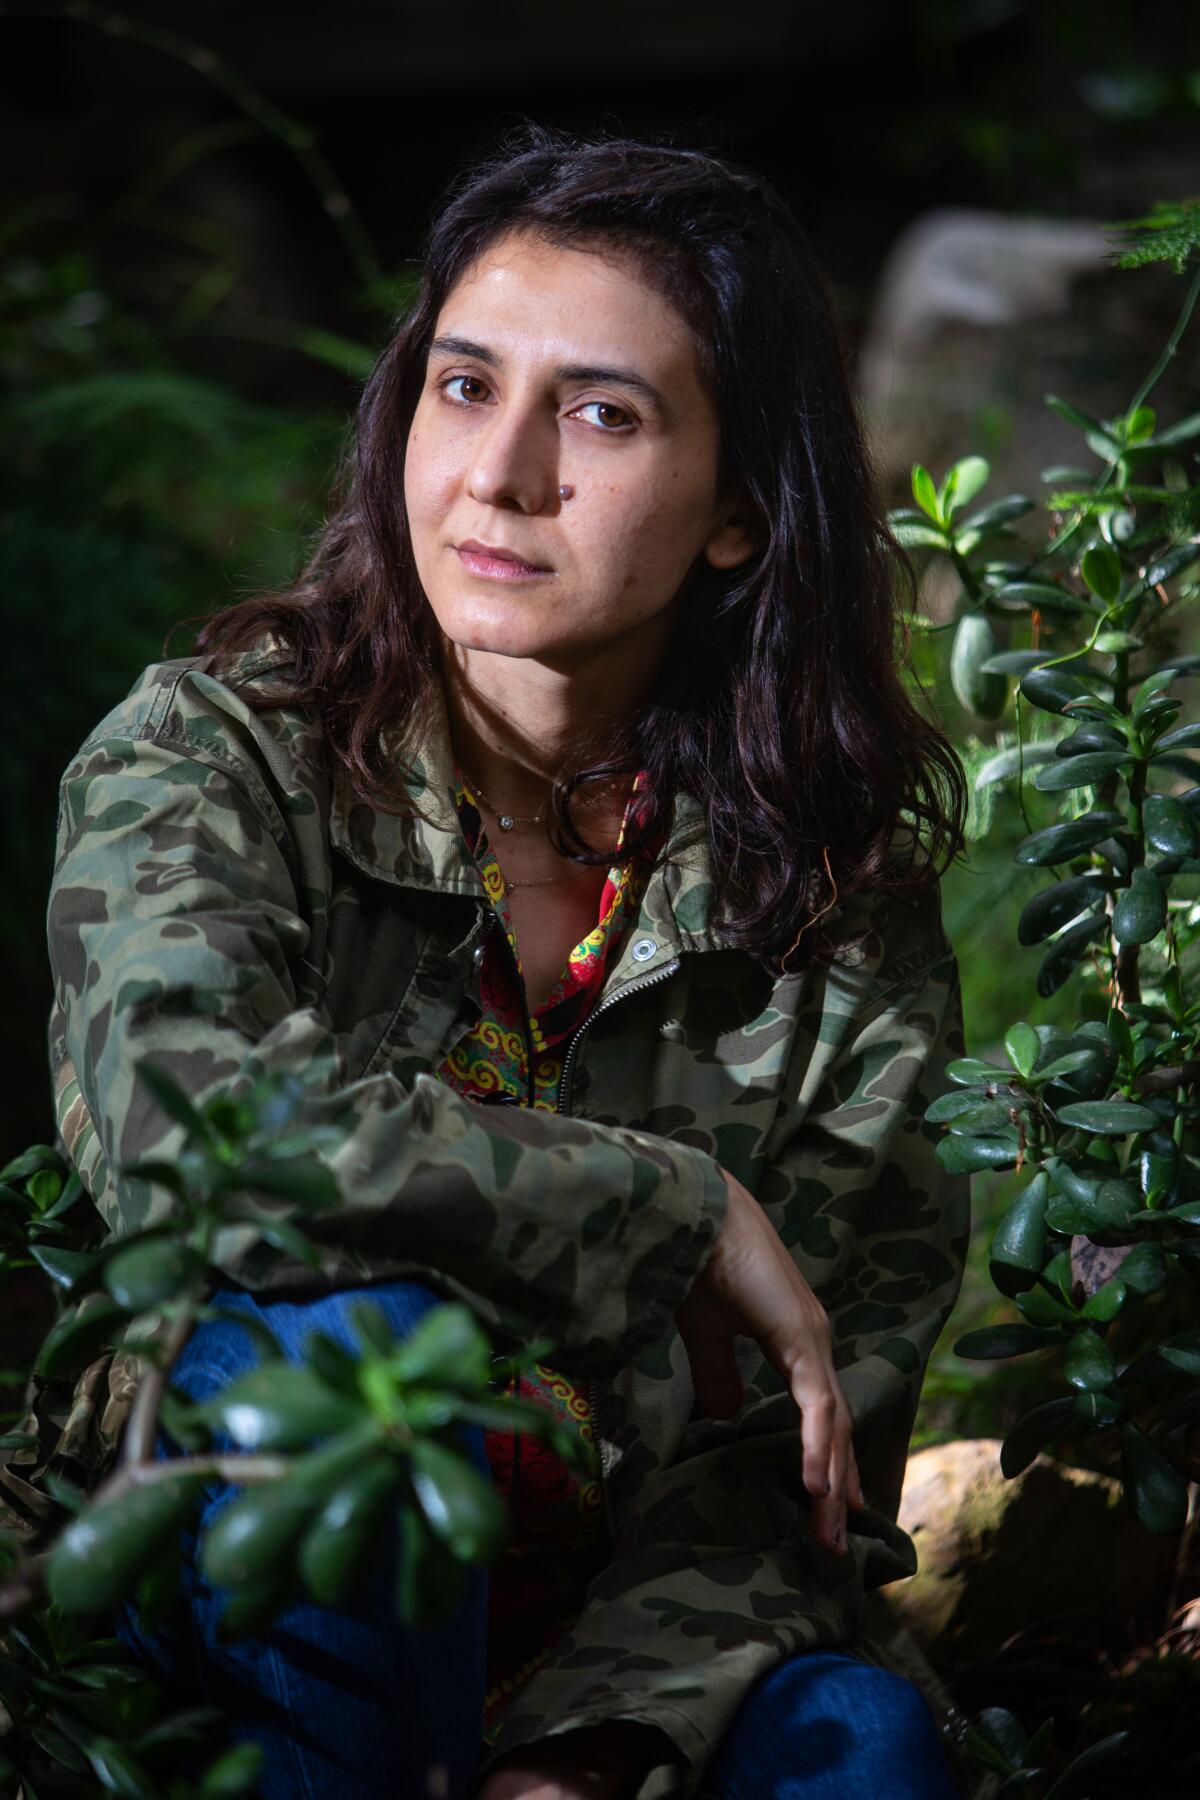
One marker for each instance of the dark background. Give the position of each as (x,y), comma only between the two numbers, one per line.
(189,297)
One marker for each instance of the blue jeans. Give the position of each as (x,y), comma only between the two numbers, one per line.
(353,1704)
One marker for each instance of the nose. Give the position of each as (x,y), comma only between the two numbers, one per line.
(515,462)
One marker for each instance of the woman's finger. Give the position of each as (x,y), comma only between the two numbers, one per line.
(818,1415)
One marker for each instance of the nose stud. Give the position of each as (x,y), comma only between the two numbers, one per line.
(565,491)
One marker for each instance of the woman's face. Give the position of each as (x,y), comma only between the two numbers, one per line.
(547,368)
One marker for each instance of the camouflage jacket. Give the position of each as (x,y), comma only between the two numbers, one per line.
(225,905)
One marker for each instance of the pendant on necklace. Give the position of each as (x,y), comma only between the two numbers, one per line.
(505,821)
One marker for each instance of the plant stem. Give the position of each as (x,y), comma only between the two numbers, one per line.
(1170,348)
(142,1429)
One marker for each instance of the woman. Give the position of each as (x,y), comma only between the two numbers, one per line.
(569,829)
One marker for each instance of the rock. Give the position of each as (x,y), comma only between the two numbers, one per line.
(997,1556)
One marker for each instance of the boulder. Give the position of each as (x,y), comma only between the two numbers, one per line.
(997,1556)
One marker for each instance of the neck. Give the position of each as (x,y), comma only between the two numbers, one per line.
(518,725)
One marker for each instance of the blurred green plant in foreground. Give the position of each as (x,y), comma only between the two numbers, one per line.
(326,1450)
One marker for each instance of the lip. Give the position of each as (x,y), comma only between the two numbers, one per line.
(497,563)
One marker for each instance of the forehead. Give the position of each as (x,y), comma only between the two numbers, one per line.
(583,304)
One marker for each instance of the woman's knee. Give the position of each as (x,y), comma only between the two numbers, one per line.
(831,1685)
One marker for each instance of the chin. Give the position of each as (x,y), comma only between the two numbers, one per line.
(506,629)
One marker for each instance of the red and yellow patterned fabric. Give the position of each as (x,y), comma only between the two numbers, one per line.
(559,1539)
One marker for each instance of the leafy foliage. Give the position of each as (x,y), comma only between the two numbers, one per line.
(339,1456)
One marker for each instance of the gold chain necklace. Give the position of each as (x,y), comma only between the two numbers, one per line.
(506,821)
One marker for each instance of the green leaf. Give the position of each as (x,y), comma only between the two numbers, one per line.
(277,1407)
(1156,1490)
(1074,415)
(461,1506)
(972,1071)
(1053,689)
(1038,596)
(173,1100)
(1182,432)
(1088,1362)
(1089,1759)
(371,1327)
(449,1346)
(1110,1206)
(38,1156)
(1097,1408)
(252,1606)
(298,1178)
(1006,1732)
(117,1771)
(1106,1302)
(1012,761)
(78,1338)
(998,512)
(1182,1352)
(1079,771)
(924,492)
(913,536)
(1032,1433)
(98,1558)
(1019,1246)
(430,1580)
(344,1536)
(236,1772)
(252,1540)
(71,1269)
(974,644)
(280,1234)
(1022,1047)
(1101,569)
(1144,1270)
(146,1274)
(1186,738)
(960,1155)
(1141,909)
(1108,1118)
(1067,951)
(1061,843)
(1058,904)
(1065,1065)
(1170,828)
(964,1110)
(1041,1308)
(995,1341)
(971,476)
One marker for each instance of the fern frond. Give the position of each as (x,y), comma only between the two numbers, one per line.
(1169,232)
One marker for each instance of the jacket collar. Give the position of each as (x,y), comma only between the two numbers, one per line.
(423,847)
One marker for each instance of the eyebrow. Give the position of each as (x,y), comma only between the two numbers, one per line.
(629,378)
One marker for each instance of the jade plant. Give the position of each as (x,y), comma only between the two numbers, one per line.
(329,1452)
(1077,632)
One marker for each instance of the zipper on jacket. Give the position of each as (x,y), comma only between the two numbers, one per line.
(562,1106)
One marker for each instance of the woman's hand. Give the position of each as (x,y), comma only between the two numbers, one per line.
(600,1763)
(751,1286)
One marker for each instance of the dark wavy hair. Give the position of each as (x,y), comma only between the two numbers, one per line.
(780,705)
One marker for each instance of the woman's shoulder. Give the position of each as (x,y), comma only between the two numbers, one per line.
(212,708)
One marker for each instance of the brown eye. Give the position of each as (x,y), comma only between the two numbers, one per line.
(621,423)
(466,381)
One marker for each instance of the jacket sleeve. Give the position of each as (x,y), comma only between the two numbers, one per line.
(715,1578)
(176,934)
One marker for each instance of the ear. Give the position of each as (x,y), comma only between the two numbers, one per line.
(737,539)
